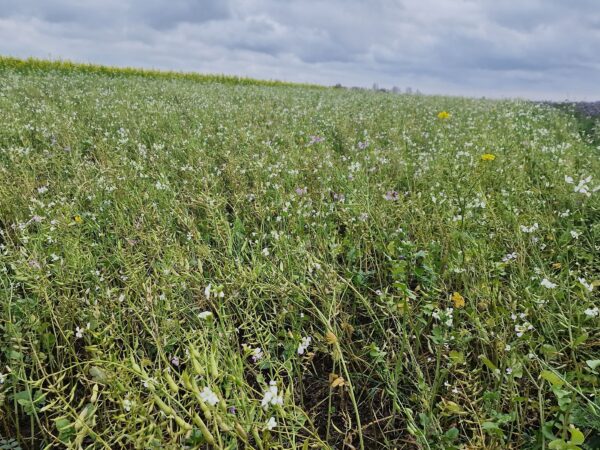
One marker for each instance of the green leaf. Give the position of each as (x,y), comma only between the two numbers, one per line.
(552,378)
(577,436)
(488,363)
(557,444)
(593,363)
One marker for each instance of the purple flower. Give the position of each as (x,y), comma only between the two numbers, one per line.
(363,145)
(232,410)
(315,140)
(391,195)
(301,191)
(175,361)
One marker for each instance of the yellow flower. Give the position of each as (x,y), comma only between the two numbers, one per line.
(78,219)
(488,157)
(443,115)
(458,300)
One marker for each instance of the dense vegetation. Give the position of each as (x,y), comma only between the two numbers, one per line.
(247,266)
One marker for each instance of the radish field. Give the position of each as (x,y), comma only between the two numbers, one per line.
(220,263)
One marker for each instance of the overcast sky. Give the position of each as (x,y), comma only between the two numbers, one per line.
(497,48)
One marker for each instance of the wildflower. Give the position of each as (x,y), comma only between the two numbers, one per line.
(271,423)
(363,145)
(265,252)
(339,197)
(304,344)
(575,234)
(209,396)
(488,157)
(2,378)
(232,410)
(391,196)
(78,219)
(592,312)
(444,316)
(42,189)
(175,361)
(509,370)
(568,179)
(443,115)
(548,284)
(315,140)
(79,332)
(271,396)
(301,191)
(458,300)
(531,229)
(127,404)
(204,315)
(207,291)
(257,354)
(585,284)
(509,257)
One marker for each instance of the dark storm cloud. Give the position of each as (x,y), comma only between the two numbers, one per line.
(533,48)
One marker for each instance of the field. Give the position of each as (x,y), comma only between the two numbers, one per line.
(211,262)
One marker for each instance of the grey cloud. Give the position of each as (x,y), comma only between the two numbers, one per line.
(538,48)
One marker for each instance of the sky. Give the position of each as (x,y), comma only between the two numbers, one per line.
(536,49)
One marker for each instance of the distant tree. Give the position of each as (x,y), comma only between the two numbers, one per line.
(409,90)
(375,86)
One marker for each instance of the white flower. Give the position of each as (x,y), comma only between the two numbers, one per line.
(508,370)
(127,404)
(265,252)
(507,347)
(42,189)
(304,345)
(2,378)
(585,284)
(530,229)
(79,331)
(509,257)
(548,284)
(205,315)
(257,354)
(592,312)
(271,396)
(207,291)
(575,234)
(568,179)
(209,396)
(271,423)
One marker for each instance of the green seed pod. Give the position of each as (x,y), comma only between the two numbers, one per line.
(171,382)
(163,406)
(204,429)
(182,423)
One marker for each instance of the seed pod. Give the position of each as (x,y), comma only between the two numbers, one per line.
(204,429)
(182,423)
(94,394)
(171,382)
(185,379)
(197,366)
(163,406)
(214,370)
(241,432)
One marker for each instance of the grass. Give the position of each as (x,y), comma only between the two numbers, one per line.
(169,246)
